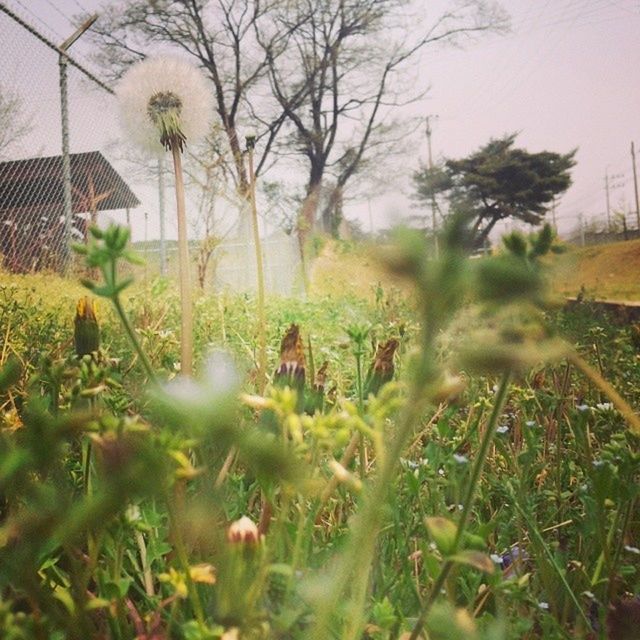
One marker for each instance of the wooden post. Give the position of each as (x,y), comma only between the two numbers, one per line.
(262,321)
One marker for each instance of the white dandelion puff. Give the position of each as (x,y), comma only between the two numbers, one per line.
(164,97)
(166,102)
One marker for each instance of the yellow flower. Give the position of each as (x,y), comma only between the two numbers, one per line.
(86,335)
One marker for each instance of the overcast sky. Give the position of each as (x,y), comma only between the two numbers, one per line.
(565,77)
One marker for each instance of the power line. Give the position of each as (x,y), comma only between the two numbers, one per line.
(59,12)
(39,19)
(82,8)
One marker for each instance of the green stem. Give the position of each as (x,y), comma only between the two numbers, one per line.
(87,468)
(618,551)
(362,458)
(134,339)
(469,499)
(478,466)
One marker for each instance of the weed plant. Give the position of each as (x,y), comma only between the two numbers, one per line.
(455,470)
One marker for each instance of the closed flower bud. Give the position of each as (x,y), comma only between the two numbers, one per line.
(243,531)
(86,334)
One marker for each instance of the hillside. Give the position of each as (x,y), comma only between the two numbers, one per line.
(608,271)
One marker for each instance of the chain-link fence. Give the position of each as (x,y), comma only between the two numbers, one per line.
(56,173)
(64,166)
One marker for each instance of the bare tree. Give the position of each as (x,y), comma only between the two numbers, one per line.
(340,80)
(219,35)
(14,123)
(322,79)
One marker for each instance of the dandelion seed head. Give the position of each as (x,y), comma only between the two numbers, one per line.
(164,92)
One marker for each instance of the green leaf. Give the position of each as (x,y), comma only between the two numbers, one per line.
(443,533)
(10,373)
(97,603)
(80,249)
(89,284)
(96,232)
(474,559)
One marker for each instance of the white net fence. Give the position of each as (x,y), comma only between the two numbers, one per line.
(50,193)
(59,174)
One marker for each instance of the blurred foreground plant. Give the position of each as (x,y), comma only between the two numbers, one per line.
(105,251)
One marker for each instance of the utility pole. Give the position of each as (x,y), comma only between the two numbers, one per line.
(433,195)
(635,184)
(64,116)
(606,188)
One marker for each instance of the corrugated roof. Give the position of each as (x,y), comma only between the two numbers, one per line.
(37,182)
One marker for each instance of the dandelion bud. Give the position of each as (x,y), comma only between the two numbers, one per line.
(244,531)
(291,371)
(86,334)
(382,368)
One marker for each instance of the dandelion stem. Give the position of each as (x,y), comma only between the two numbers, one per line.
(186,335)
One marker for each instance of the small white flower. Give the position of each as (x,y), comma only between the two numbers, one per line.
(604,406)
(132,514)
(220,373)
(598,463)
(441,472)
(631,549)
(460,459)
(220,379)
(544,606)
(530,423)
(164,88)
(502,430)
(582,407)
(496,558)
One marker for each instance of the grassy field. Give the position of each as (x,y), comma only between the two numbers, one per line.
(436,457)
